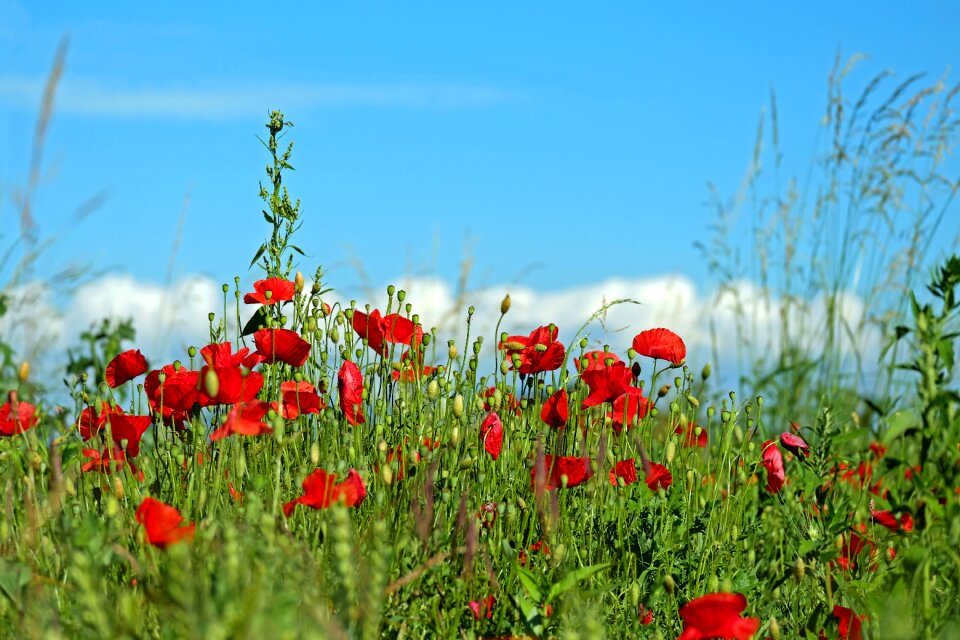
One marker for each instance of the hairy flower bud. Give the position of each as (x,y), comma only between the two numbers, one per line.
(23,372)
(298,283)
(505,305)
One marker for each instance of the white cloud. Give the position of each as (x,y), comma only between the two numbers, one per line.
(92,97)
(168,319)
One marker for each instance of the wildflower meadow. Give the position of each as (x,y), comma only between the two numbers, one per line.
(320,468)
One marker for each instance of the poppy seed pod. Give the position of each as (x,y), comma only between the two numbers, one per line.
(505,305)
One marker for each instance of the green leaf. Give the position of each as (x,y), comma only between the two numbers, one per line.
(256,322)
(529,582)
(263,247)
(531,614)
(13,578)
(269,218)
(574,578)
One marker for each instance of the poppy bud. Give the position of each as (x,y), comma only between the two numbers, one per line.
(452,351)
(118,487)
(664,390)
(23,372)
(298,282)
(774,629)
(693,401)
(505,305)
(458,405)
(504,367)
(433,389)
(726,586)
(705,372)
(211,383)
(315,289)
(314,453)
(669,584)
(334,335)
(455,435)
(671,450)
(713,584)
(387,474)
(799,569)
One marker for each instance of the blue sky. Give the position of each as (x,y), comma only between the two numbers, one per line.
(558,145)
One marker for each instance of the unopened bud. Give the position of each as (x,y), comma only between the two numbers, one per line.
(452,351)
(458,405)
(118,487)
(433,389)
(693,401)
(774,629)
(23,372)
(669,584)
(505,305)
(799,569)
(315,453)
(298,282)
(705,372)
(211,383)
(671,450)
(387,474)
(664,390)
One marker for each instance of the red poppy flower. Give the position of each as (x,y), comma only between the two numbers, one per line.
(878,449)
(628,409)
(773,461)
(162,523)
(849,625)
(17,418)
(658,477)
(794,444)
(128,428)
(626,469)
(126,366)
(233,385)
(556,411)
(850,550)
(577,471)
(606,384)
(298,397)
(408,368)
(592,360)
(660,344)
(220,355)
(646,615)
(320,490)
(690,437)
(179,391)
(281,345)
(350,392)
(491,432)
(538,352)
(89,423)
(380,330)
(483,608)
(280,291)
(112,459)
(717,615)
(507,402)
(244,420)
